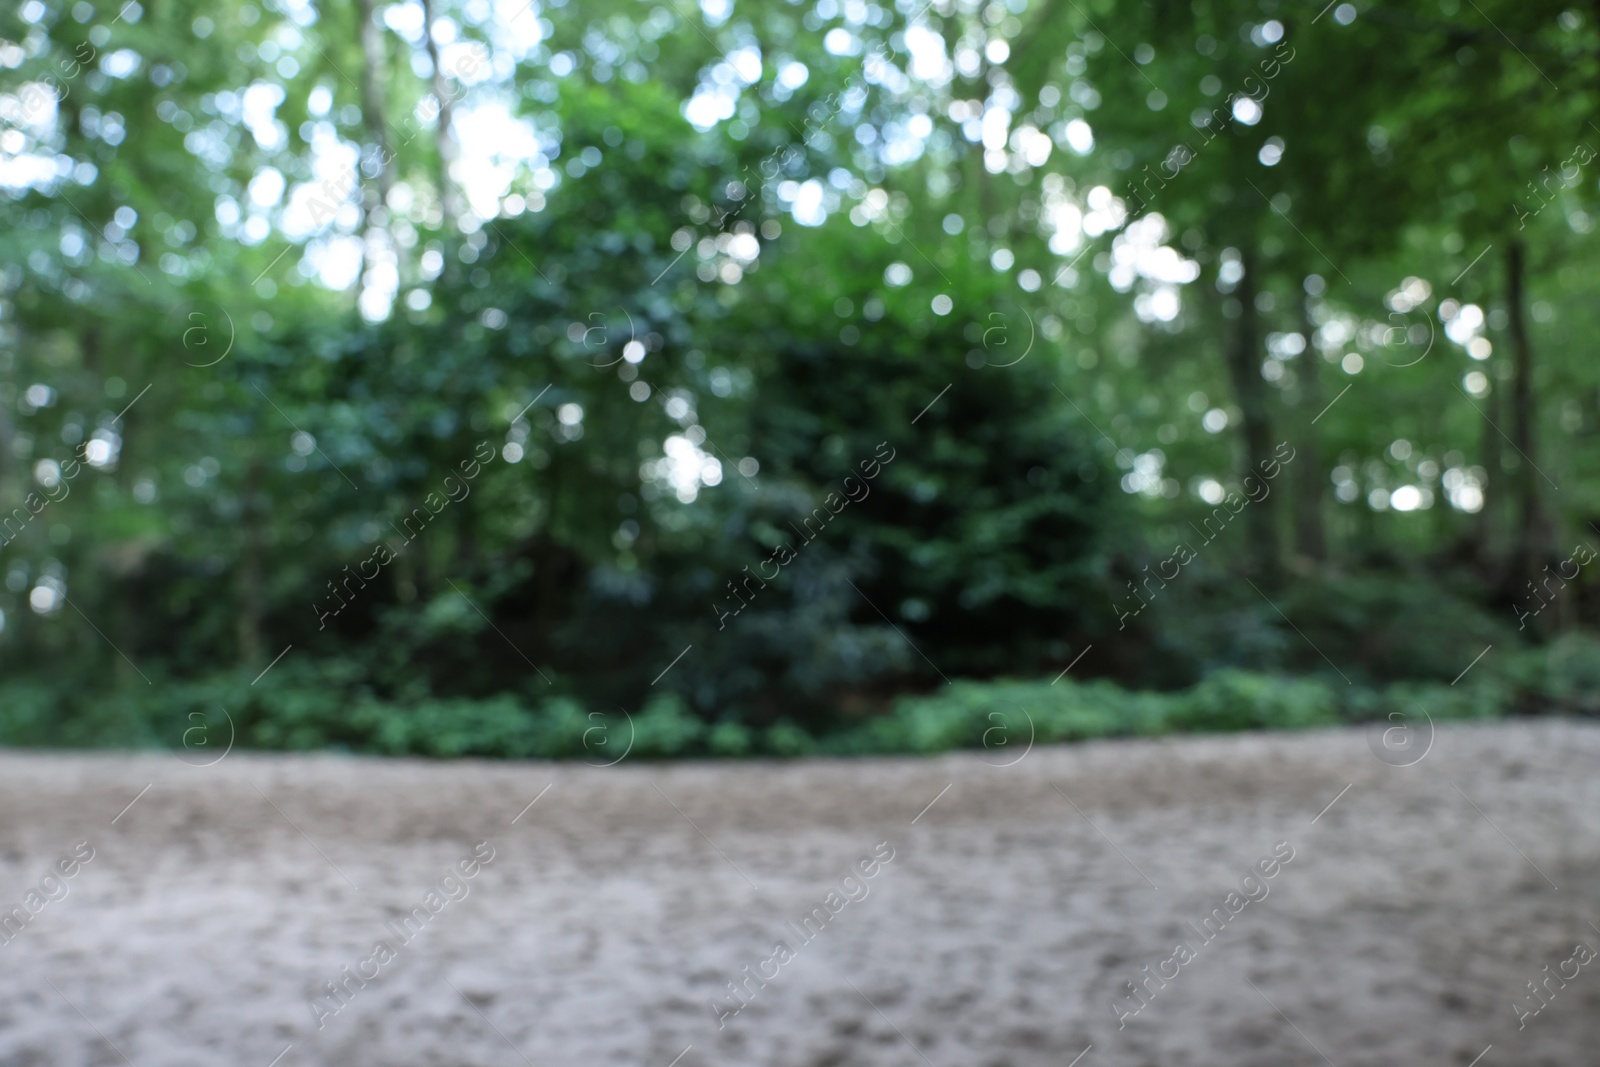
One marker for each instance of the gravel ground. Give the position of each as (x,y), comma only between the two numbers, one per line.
(1007,908)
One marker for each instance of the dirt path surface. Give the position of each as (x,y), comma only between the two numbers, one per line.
(615,910)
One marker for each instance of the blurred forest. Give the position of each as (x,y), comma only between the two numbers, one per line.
(455,376)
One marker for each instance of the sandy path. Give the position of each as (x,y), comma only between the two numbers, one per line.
(1402,931)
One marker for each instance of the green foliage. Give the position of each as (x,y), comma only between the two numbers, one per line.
(1564,675)
(665,728)
(1240,700)
(31,714)
(1394,625)
(1005,717)
(1371,626)
(588,415)
(1572,674)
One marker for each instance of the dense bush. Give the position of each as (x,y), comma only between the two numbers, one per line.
(1378,625)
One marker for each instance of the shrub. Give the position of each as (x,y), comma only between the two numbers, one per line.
(665,728)
(1571,676)
(1242,700)
(328,704)
(26,714)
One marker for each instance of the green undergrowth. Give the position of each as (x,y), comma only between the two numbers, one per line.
(323,706)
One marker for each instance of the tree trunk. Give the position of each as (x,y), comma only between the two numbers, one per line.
(248,577)
(1310,480)
(372,77)
(1493,471)
(1244,368)
(1528,543)
(444,138)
